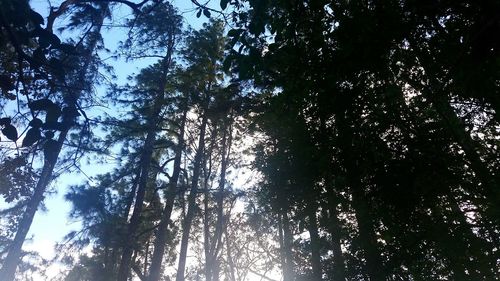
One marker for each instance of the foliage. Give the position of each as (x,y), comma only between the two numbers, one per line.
(372,125)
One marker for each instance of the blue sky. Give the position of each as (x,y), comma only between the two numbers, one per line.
(51,226)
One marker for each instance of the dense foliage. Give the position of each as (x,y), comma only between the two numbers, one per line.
(370,130)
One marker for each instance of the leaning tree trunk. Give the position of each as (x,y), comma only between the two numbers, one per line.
(12,260)
(481,260)
(456,128)
(161,233)
(146,157)
(186,225)
(145,165)
(439,232)
(52,151)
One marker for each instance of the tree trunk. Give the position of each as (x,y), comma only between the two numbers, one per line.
(186,225)
(130,198)
(7,273)
(146,157)
(145,164)
(315,243)
(335,232)
(206,234)
(471,148)
(478,261)
(374,265)
(207,244)
(454,125)
(282,244)
(287,248)
(219,224)
(332,200)
(439,232)
(161,233)
(229,255)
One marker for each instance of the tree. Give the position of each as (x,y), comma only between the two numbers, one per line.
(69,113)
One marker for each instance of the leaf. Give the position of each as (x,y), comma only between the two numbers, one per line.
(42,104)
(53,113)
(57,66)
(67,48)
(10,96)
(234,32)
(49,135)
(33,135)
(36,18)
(226,64)
(39,57)
(206,12)
(54,40)
(36,123)
(45,39)
(6,83)
(198,14)
(223,4)
(69,114)
(4,121)
(10,132)
(53,125)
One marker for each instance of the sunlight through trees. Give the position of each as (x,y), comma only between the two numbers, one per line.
(279,140)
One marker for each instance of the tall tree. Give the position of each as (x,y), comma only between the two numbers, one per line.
(164,38)
(71,90)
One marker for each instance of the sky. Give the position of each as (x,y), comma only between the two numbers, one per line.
(50,226)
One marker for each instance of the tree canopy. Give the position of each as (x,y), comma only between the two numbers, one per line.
(281,140)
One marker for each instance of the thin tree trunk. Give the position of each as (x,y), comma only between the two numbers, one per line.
(145,164)
(229,255)
(7,273)
(219,224)
(206,227)
(161,234)
(287,250)
(130,199)
(335,232)
(206,234)
(186,226)
(282,244)
(315,244)
(146,257)
(374,265)
(147,155)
